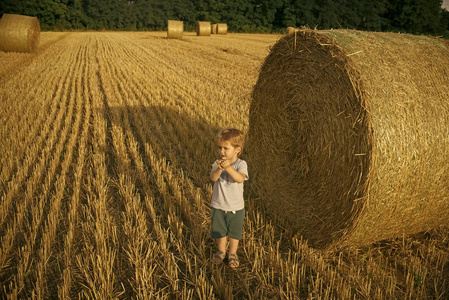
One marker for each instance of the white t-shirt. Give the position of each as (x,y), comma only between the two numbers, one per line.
(228,194)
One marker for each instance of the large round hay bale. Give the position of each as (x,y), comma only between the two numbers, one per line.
(348,135)
(19,33)
(214,28)
(203,28)
(175,29)
(222,28)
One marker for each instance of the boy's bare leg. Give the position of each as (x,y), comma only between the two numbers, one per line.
(221,244)
(233,244)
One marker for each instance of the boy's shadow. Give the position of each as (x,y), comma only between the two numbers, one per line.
(185,143)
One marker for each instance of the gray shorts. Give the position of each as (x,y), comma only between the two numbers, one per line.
(227,224)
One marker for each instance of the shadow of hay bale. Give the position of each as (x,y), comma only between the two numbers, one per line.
(19,33)
(348,138)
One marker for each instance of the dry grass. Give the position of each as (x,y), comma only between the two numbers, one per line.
(107,140)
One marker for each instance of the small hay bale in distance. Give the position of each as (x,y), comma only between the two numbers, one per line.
(214,28)
(222,28)
(175,29)
(203,28)
(290,30)
(348,135)
(19,33)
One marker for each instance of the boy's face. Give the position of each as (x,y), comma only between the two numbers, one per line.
(227,151)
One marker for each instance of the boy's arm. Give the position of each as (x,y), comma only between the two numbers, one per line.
(215,173)
(237,176)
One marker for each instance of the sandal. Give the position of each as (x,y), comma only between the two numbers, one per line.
(218,257)
(233,260)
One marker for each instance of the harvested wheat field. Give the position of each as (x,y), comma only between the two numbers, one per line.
(106,146)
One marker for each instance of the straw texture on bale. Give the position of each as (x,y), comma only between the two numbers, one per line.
(348,135)
(222,28)
(214,28)
(175,29)
(19,33)
(203,28)
(290,30)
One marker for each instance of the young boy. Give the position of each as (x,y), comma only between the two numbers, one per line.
(228,207)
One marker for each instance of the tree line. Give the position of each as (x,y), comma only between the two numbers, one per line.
(412,16)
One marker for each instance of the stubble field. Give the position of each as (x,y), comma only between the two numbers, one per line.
(106,142)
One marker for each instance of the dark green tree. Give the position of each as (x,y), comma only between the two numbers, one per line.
(159,11)
(106,14)
(237,14)
(363,14)
(328,13)
(372,15)
(265,13)
(75,17)
(51,13)
(299,13)
(138,12)
(14,7)
(184,10)
(415,16)
(445,23)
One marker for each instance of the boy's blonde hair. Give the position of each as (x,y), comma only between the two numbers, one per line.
(234,136)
